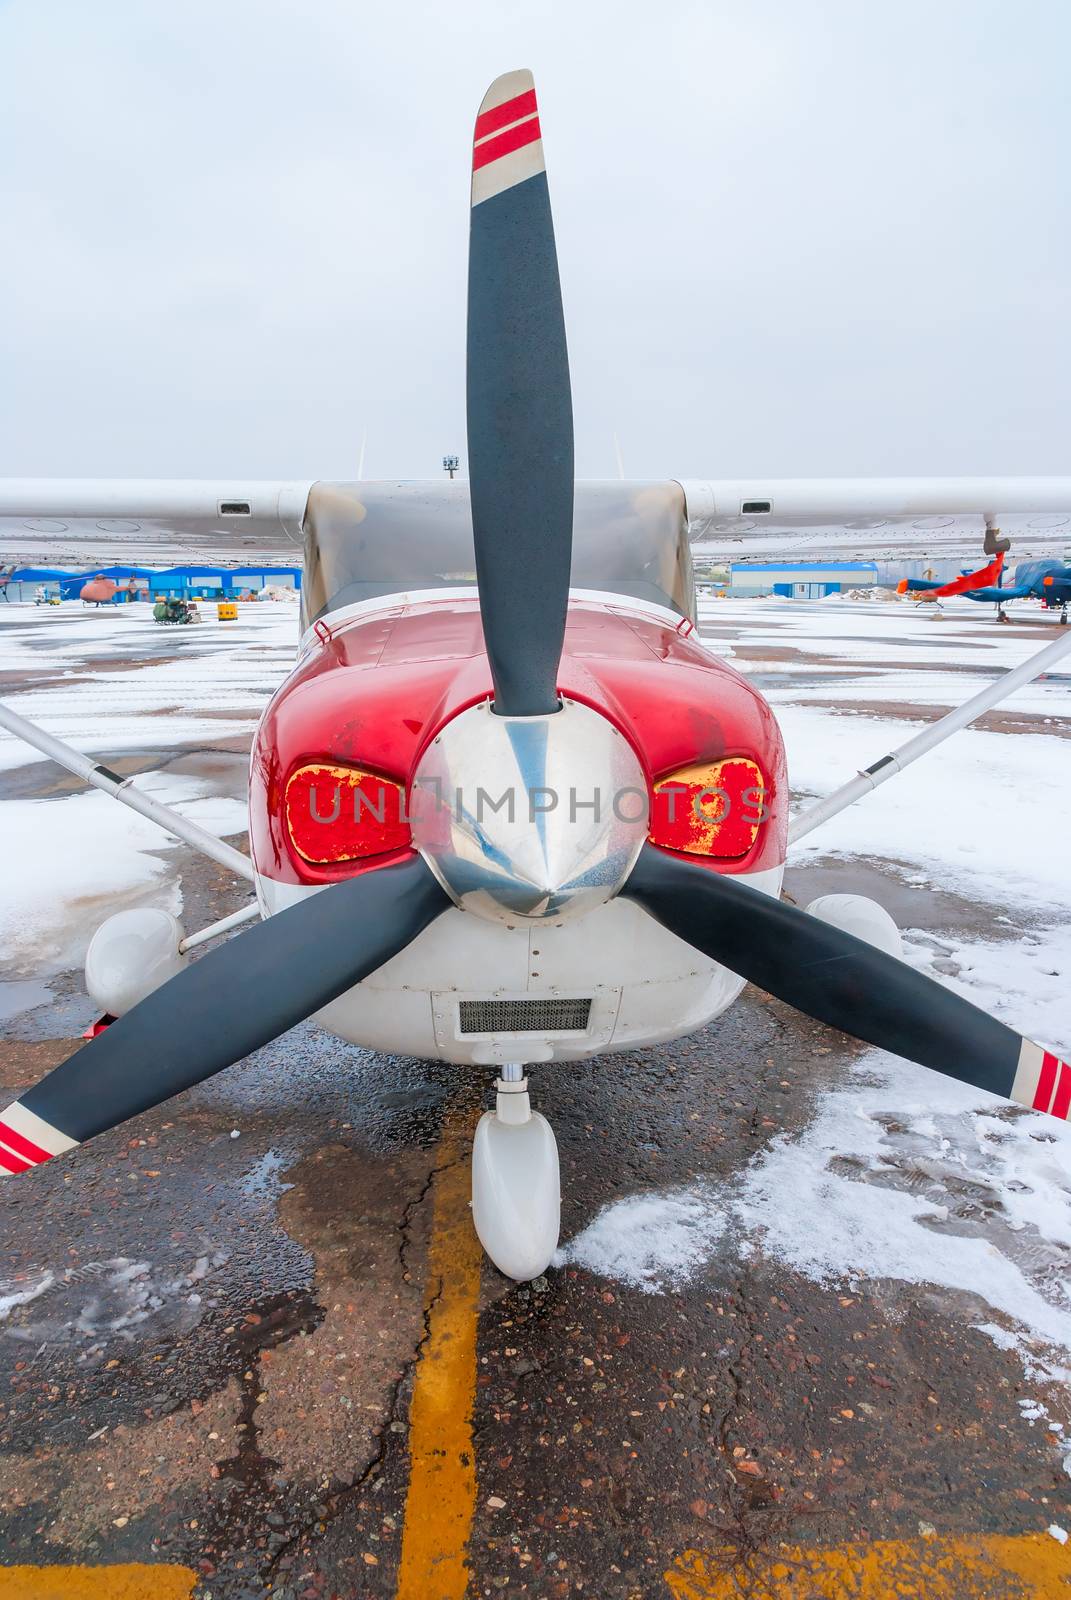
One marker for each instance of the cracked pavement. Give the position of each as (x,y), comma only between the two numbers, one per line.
(248,1417)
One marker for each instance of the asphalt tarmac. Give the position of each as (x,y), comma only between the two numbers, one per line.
(251,1347)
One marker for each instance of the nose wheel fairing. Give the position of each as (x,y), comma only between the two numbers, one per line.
(516,1189)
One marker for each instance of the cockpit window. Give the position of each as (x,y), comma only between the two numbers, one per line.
(363,540)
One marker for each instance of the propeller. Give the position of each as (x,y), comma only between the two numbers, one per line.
(275,975)
(521,468)
(844,982)
(520,415)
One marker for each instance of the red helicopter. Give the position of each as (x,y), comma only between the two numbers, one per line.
(98,591)
(508,808)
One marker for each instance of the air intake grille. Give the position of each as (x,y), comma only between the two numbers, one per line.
(524,1016)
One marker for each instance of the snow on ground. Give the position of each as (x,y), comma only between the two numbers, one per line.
(941,656)
(116,1298)
(72,861)
(654,1242)
(904,1175)
(967,817)
(112,679)
(970,815)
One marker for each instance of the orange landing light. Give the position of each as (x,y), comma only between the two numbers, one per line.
(714,809)
(343,813)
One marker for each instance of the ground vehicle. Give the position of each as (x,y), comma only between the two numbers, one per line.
(175,611)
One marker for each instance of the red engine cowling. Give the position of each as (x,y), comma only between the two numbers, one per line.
(345,731)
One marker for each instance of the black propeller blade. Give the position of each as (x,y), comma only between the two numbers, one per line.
(520,414)
(277,974)
(844,982)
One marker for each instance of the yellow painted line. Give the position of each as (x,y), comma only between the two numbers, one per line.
(1027,1566)
(442,1472)
(133,1582)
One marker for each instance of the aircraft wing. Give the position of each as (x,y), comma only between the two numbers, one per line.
(54,521)
(51,521)
(877,518)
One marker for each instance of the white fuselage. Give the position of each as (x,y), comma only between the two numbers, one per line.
(645,985)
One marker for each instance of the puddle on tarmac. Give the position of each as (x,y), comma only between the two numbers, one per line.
(19,995)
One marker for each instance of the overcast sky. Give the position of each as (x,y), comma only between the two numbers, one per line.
(795,236)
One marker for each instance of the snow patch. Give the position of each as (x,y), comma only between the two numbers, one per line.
(653,1242)
(19,1292)
(902,1175)
(71,862)
(104,1300)
(940,815)
(909,1176)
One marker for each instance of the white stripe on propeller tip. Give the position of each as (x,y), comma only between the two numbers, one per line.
(507,145)
(26,1140)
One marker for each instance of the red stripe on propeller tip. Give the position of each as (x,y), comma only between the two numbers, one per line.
(1063,1092)
(1046,1079)
(522,105)
(513,139)
(24,1147)
(12,1163)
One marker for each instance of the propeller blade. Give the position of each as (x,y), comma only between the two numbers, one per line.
(221,1007)
(520,413)
(846,983)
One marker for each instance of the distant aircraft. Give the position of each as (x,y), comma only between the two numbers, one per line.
(98,591)
(1047,581)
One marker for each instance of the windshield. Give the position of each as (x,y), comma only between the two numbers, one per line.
(363,540)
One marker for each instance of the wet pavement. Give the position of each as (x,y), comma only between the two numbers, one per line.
(223,1324)
(214,1359)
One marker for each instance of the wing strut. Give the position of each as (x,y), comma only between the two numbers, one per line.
(123,789)
(927,740)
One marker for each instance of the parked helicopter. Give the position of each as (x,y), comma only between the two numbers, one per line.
(99,591)
(507,808)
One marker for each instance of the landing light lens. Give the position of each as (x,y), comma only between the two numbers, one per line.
(715,809)
(344,813)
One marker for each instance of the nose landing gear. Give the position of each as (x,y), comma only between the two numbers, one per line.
(516,1195)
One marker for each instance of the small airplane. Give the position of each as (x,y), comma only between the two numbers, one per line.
(508,808)
(1047,581)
